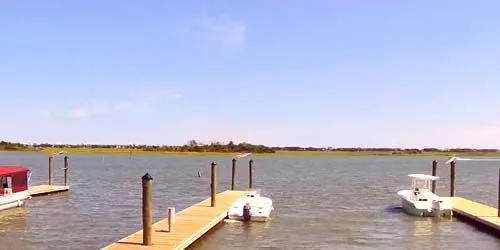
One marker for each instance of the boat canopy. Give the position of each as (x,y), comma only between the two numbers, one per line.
(12,169)
(13,177)
(423,177)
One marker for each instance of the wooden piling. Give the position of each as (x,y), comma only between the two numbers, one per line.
(147,209)
(233,173)
(65,170)
(434,170)
(213,186)
(452,179)
(50,170)
(250,166)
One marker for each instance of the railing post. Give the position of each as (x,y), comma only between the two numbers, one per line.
(233,173)
(147,207)
(250,166)
(213,186)
(434,170)
(65,170)
(50,170)
(452,179)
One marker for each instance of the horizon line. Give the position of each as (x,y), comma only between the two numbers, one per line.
(222,143)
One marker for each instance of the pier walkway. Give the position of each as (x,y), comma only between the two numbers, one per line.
(46,189)
(479,214)
(190,224)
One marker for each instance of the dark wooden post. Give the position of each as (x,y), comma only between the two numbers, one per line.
(65,170)
(434,170)
(147,209)
(50,170)
(250,166)
(233,173)
(498,205)
(213,186)
(452,178)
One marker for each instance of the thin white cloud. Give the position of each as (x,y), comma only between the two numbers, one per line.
(142,102)
(222,33)
(79,113)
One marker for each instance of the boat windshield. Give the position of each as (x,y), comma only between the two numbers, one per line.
(253,193)
(420,185)
(422,182)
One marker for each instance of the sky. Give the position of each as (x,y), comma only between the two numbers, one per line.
(372,73)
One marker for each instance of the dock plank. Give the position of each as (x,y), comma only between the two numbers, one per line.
(46,189)
(190,224)
(477,212)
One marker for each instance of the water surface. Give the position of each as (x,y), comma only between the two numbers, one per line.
(320,202)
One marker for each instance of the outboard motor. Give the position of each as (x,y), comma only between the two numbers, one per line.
(246,212)
(436,208)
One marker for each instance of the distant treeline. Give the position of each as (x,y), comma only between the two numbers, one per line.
(191,146)
(11,146)
(403,150)
(194,146)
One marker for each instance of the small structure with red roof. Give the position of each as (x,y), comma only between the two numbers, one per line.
(14,182)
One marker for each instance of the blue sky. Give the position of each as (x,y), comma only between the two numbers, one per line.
(316,73)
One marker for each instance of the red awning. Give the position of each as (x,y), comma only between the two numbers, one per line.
(11,169)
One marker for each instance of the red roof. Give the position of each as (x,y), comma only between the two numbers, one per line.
(10,169)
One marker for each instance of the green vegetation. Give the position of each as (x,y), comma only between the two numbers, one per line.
(193,148)
(11,146)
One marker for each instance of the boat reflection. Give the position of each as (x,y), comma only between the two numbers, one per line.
(11,221)
(424,227)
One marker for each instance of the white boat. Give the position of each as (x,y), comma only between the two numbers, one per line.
(13,186)
(420,201)
(252,207)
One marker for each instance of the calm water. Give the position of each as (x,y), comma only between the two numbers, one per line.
(321,203)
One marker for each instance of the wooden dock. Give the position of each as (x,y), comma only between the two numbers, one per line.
(481,215)
(46,189)
(190,224)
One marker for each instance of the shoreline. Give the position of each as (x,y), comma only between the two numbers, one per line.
(139,152)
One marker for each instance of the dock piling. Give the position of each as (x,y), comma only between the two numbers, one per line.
(452,178)
(250,166)
(434,170)
(50,170)
(65,170)
(233,173)
(213,186)
(147,209)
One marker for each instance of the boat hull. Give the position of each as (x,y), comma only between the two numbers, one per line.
(13,200)
(252,218)
(260,209)
(424,208)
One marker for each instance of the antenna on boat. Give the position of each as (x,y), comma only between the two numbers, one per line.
(56,154)
(242,155)
(455,158)
(452,159)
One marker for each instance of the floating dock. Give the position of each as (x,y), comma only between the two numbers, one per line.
(190,224)
(46,189)
(483,216)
